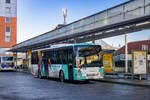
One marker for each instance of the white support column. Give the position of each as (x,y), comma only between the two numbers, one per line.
(126,53)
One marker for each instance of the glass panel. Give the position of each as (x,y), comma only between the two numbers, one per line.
(34,58)
(147,10)
(115,19)
(89,56)
(8,10)
(135,13)
(101,16)
(7,38)
(115,11)
(7,19)
(7,58)
(147,2)
(7,29)
(134,5)
(7,1)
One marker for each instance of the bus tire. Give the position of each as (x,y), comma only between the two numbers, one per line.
(87,81)
(61,76)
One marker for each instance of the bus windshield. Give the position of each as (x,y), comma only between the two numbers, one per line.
(7,58)
(89,56)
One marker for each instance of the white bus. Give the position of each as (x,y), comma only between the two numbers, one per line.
(7,63)
(81,61)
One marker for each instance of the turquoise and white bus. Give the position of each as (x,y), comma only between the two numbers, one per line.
(7,63)
(69,62)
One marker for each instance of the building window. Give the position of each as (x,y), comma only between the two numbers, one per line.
(145,47)
(7,29)
(7,20)
(8,10)
(7,34)
(7,38)
(7,1)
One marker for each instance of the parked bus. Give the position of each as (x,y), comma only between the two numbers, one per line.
(7,63)
(69,62)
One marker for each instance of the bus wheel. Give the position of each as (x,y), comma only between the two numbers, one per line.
(87,81)
(61,76)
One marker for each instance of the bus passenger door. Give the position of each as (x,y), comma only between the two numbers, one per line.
(46,67)
(70,64)
(70,71)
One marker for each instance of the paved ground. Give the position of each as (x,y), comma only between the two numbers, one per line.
(127,81)
(23,86)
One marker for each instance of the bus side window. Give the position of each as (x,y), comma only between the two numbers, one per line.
(58,57)
(63,56)
(34,58)
(54,57)
(51,57)
(44,58)
(70,60)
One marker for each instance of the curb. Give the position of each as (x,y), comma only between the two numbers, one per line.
(123,83)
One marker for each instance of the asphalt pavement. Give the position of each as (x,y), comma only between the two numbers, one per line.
(23,86)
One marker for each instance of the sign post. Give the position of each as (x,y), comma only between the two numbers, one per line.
(126,53)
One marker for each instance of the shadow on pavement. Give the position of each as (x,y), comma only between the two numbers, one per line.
(69,81)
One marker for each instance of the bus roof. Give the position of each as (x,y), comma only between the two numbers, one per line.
(66,45)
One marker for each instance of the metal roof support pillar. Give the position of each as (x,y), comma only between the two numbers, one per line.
(93,41)
(126,53)
(26,55)
(26,60)
(16,59)
(75,41)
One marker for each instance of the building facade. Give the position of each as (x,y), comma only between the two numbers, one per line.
(136,46)
(8,24)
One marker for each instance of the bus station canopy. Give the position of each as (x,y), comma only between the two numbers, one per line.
(128,17)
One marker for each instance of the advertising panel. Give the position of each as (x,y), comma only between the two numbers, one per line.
(148,57)
(139,62)
(29,58)
(107,62)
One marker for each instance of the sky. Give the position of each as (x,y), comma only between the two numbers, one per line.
(36,17)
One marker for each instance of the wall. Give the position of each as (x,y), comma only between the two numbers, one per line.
(8,10)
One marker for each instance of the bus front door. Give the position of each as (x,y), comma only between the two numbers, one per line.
(70,72)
